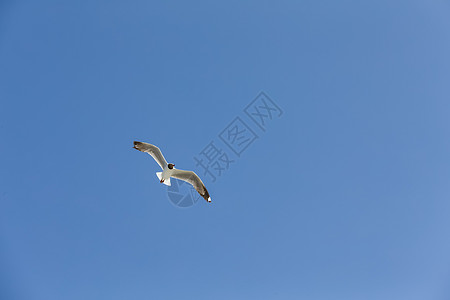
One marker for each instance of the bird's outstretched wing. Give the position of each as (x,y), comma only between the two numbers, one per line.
(153,151)
(192,178)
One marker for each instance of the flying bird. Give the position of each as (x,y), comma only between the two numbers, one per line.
(170,171)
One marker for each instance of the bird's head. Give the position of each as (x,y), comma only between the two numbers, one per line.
(170,166)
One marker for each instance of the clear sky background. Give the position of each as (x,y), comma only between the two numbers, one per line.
(345,196)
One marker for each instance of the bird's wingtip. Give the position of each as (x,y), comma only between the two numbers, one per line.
(136,144)
(209,200)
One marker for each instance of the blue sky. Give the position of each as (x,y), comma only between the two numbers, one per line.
(345,196)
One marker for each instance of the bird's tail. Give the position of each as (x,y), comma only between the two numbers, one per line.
(166,182)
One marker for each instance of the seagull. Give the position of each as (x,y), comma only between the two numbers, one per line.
(170,171)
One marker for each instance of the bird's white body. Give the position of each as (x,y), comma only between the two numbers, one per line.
(164,176)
